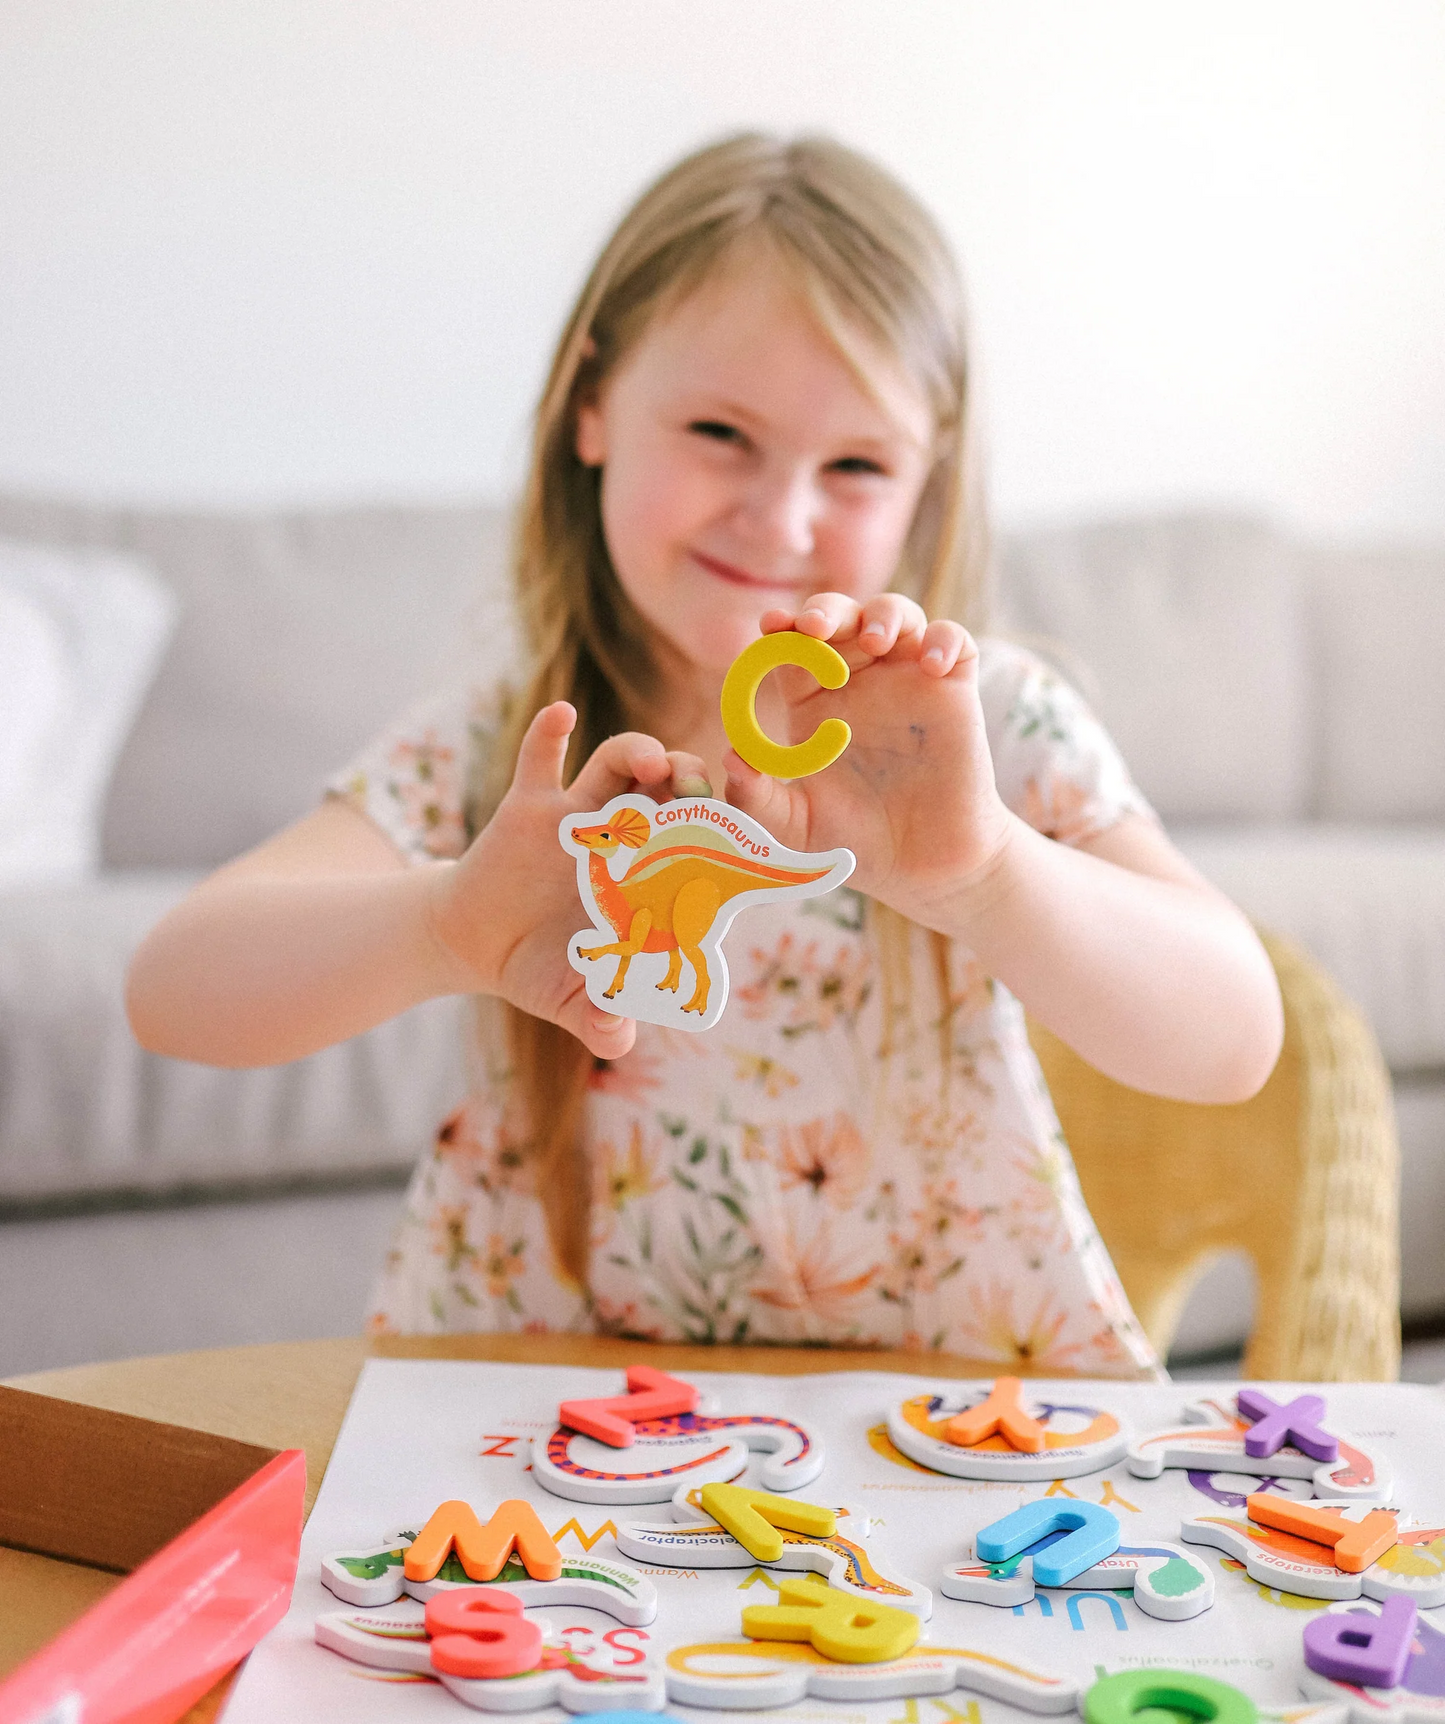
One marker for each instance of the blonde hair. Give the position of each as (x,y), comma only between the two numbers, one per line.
(872,264)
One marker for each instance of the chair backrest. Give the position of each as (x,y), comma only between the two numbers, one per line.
(1303,1179)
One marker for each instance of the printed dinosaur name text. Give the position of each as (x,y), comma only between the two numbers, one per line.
(694,811)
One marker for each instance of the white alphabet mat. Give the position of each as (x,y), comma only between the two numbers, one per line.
(421,1432)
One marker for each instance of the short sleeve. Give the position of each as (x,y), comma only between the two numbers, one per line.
(1055,764)
(418,779)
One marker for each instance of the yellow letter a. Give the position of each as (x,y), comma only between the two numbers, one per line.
(846,1629)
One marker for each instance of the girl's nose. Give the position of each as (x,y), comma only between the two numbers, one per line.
(782,511)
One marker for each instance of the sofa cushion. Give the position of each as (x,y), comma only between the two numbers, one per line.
(299,637)
(1379,619)
(84,1109)
(81,635)
(1188,635)
(1368,902)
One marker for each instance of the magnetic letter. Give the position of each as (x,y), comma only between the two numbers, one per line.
(1002,1414)
(752,1517)
(740,713)
(846,1629)
(1359,1647)
(480,1632)
(651,1394)
(1120,1699)
(1296,1423)
(1093,1534)
(483,1550)
(1356,1543)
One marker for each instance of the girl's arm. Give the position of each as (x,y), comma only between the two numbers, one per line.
(317,934)
(326,930)
(1129,956)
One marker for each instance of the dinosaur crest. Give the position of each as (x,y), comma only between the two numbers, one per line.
(630,826)
(700,863)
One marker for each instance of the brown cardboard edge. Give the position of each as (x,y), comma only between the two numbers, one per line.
(106,1489)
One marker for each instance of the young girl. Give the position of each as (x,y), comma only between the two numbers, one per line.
(757,418)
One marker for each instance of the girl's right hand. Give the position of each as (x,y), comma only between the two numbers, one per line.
(503,914)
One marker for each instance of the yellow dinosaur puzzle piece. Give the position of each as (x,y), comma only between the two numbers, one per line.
(740,713)
(689,866)
(846,1629)
(753,1518)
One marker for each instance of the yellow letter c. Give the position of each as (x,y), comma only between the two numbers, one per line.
(739,705)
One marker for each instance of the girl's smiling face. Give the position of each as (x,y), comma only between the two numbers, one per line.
(745,466)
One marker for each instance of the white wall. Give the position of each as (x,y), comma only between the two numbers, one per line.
(316,249)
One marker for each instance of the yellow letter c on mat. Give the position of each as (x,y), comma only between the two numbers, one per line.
(739,705)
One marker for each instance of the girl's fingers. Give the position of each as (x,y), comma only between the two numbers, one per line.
(601,1033)
(829,617)
(888,618)
(944,644)
(754,792)
(616,765)
(544,748)
(689,774)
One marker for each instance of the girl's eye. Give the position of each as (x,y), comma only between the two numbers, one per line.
(717,430)
(856,464)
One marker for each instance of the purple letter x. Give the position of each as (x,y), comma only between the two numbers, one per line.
(1296,1423)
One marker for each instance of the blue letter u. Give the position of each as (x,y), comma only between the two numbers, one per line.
(1093,1534)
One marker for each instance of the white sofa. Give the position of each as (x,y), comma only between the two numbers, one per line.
(1281,705)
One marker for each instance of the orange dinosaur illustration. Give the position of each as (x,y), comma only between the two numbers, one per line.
(669,899)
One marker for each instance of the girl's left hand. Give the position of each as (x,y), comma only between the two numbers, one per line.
(913,795)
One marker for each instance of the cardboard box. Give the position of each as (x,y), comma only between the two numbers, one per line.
(138,1561)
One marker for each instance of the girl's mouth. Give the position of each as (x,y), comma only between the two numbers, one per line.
(737,577)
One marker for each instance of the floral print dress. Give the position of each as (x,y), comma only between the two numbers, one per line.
(862,1152)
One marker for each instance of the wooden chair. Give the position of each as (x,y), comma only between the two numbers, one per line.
(1303,1179)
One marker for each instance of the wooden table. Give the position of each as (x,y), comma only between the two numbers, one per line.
(295,1394)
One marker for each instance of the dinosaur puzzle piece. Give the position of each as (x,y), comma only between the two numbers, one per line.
(1416,1696)
(1076,1439)
(693,1540)
(1168,1582)
(1214,1437)
(1412,1565)
(376,1575)
(687,1449)
(756,1675)
(686,870)
(397,1639)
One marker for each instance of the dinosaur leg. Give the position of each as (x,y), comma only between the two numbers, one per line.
(674,971)
(624,950)
(693,911)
